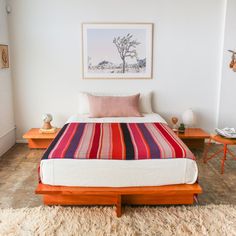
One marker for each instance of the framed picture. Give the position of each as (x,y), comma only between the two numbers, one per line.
(4,58)
(117,50)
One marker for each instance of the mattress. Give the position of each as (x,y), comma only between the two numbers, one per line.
(118,173)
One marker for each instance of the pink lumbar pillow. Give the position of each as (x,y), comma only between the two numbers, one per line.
(112,106)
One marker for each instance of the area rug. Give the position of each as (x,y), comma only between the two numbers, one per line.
(192,220)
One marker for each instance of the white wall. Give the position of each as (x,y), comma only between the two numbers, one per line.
(7,131)
(46,56)
(227,108)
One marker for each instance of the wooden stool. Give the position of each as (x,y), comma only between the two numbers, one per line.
(225,150)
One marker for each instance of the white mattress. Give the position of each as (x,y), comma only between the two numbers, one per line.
(118,173)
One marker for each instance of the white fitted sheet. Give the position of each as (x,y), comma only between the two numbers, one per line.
(147,118)
(118,173)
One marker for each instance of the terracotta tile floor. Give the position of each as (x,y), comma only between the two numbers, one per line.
(18,178)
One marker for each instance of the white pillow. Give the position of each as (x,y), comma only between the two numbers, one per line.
(145,101)
(83,104)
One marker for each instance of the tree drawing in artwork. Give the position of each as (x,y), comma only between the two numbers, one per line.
(126,47)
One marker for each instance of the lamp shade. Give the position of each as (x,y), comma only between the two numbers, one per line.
(47,117)
(188,117)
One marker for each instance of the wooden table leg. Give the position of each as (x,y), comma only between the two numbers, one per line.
(206,151)
(223,159)
(118,206)
(231,154)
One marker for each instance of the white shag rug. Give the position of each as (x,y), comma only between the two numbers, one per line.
(192,220)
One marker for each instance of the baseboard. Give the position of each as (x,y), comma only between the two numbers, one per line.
(21,141)
(7,140)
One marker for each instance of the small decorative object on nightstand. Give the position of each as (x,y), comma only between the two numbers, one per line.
(174,120)
(47,127)
(181,128)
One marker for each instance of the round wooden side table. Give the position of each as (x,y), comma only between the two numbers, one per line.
(225,142)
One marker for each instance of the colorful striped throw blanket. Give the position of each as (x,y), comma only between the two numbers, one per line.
(117,141)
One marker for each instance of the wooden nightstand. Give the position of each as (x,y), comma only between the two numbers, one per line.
(38,140)
(194,137)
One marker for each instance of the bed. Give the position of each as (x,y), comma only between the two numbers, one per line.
(70,175)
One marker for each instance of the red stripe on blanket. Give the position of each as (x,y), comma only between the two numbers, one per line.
(95,143)
(117,146)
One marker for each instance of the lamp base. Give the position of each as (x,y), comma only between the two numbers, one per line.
(47,125)
(48,131)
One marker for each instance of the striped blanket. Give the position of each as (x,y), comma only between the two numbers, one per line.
(117,141)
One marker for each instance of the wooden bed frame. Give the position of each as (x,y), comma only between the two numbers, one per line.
(161,195)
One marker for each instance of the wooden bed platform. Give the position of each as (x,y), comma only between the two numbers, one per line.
(161,195)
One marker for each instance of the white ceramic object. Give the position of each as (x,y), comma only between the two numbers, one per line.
(188,118)
(47,117)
